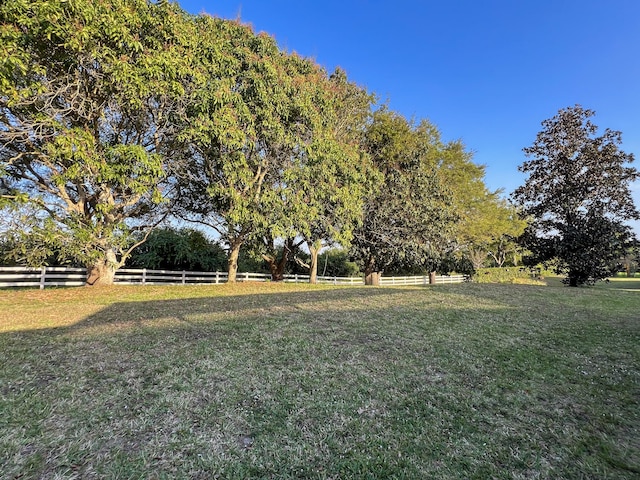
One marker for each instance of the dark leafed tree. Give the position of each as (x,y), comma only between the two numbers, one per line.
(577,196)
(408,219)
(179,249)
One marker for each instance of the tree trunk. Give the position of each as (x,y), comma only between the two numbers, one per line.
(477,257)
(232,261)
(278,266)
(103,271)
(371,276)
(314,250)
(432,278)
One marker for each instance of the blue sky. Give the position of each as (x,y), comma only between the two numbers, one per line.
(487,72)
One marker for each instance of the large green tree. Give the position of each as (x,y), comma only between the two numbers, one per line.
(490,231)
(91,94)
(248,123)
(410,216)
(268,164)
(487,223)
(577,195)
(336,173)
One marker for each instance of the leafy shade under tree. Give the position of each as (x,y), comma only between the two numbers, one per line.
(90,96)
(577,197)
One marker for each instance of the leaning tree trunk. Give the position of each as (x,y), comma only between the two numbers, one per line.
(277,266)
(232,261)
(277,273)
(103,271)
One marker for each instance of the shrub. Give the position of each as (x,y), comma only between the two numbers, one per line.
(511,275)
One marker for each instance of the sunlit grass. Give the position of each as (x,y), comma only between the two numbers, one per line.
(622,283)
(293,381)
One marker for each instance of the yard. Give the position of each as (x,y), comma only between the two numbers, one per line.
(297,381)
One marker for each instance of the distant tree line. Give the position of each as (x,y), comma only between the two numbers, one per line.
(120,116)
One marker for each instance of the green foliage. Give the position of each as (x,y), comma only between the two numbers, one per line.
(244,121)
(183,249)
(488,225)
(34,247)
(407,221)
(578,197)
(115,114)
(90,97)
(509,275)
(272,146)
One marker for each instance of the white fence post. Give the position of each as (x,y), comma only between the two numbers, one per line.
(144,276)
(43,277)
(184,277)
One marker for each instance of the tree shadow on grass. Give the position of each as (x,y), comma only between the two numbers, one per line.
(194,310)
(152,383)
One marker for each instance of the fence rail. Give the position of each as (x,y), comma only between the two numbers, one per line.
(421,280)
(13,277)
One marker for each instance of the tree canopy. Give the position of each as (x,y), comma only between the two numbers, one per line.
(409,216)
(577,196)
(116,115)
(269,150)
(90,94)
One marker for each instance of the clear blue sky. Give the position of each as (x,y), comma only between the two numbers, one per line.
(484,71)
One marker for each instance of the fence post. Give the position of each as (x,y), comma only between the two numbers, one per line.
(43,277)
(217,277)
(246,276)
(144,276)
(184,277)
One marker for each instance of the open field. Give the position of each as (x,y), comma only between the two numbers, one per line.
(295,381)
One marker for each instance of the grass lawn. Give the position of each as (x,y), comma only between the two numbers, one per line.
(295,381)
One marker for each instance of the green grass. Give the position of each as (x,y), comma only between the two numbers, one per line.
(293,381)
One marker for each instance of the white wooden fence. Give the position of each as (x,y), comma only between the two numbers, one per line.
(12,277)
(421,280)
